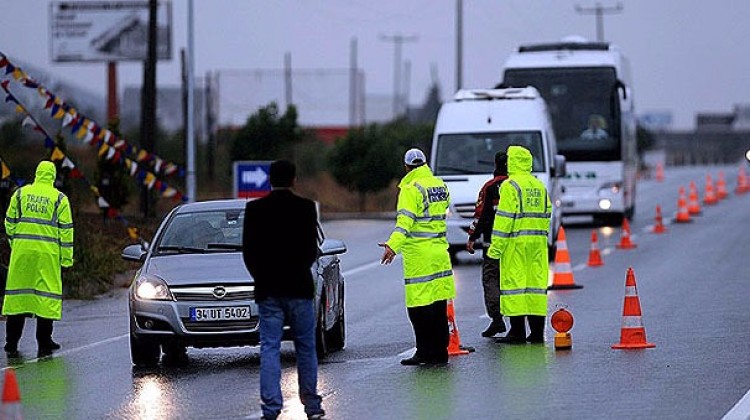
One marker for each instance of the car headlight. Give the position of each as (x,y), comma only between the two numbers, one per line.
(152,288)
(610,188)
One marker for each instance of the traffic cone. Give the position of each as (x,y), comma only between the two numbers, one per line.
(721,187)
(632,333)
(454,341)
(694,208)
(659,226)
(659,172)
(683,215)
(625,242)
(11,408)
(563,277)
(595,257)
(709,197)
(741,181)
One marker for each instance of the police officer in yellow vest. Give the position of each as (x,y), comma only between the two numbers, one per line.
(519,241)
(428,276)
(39,226)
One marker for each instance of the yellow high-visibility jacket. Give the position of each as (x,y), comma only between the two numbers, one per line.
(420,237)
(39,226)
(519,238)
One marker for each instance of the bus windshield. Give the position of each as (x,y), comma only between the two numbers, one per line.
(474,153)
(583,104)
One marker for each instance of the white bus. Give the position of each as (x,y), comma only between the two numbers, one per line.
(588,89)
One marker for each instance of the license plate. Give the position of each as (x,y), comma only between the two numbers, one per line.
(220,313)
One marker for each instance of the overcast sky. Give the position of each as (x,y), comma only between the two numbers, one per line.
(687,56)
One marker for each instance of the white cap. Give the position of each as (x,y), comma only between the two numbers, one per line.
(414,157)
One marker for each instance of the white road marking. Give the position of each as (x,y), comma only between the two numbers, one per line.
(741,410)
(361,268)
(73,350)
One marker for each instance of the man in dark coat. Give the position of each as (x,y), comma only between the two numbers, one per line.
(279,245)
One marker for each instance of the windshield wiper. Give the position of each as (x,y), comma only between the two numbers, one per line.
(231,247)
(460,171)
(182,249)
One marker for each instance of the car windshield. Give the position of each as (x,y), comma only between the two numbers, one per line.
(199,232)
(474,153)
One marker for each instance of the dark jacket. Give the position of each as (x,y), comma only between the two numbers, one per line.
(484,210)
(280,244)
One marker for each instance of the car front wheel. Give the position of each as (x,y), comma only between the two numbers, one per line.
(321,344)
(143,352)
(337,335)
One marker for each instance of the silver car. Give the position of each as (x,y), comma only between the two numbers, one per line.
(193,289)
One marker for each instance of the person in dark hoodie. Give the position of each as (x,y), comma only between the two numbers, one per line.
(481,226)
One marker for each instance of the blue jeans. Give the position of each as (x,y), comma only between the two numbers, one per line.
(300,316)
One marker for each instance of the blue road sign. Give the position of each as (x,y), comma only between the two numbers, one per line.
(251,179)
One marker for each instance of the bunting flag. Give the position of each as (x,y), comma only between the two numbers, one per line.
(81,128)
(57,155)
(6,170)
(89,131)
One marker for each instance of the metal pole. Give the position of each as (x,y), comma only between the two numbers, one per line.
(599,11)
(353,82)
(397,40)
(190,180)
(459,44)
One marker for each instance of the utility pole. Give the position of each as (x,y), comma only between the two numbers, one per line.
(459,43)
(148,103)
(190,180)
(398,41)
(599,11)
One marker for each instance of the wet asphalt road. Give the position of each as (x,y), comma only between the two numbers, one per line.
(693,287)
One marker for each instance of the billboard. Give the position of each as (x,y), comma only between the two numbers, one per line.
(107,31)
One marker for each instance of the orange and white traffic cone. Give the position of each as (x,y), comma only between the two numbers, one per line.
(454,341)
(563,277)
(742,185)
(595,257)
(694,208)
(683,215)
(632,333)
(625,242)
(721,187)
(659,225)
(11,408)
(709,197)
(659,172)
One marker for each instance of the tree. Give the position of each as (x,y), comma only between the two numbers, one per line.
(267,136)
(366,161)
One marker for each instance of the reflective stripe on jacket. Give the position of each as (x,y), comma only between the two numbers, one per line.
(420,237)
(39,226)
(519,238)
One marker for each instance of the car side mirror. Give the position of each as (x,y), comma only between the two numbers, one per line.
(559,170)
(332,247)
(134,252)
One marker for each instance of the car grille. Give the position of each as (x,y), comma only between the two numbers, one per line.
(220,326)
(206,293)
(465,210)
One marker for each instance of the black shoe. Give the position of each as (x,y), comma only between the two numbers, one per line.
(317,416)
(511,340)
(496,327)
(12,352)
(51,346)
(413,361)
(534,340)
